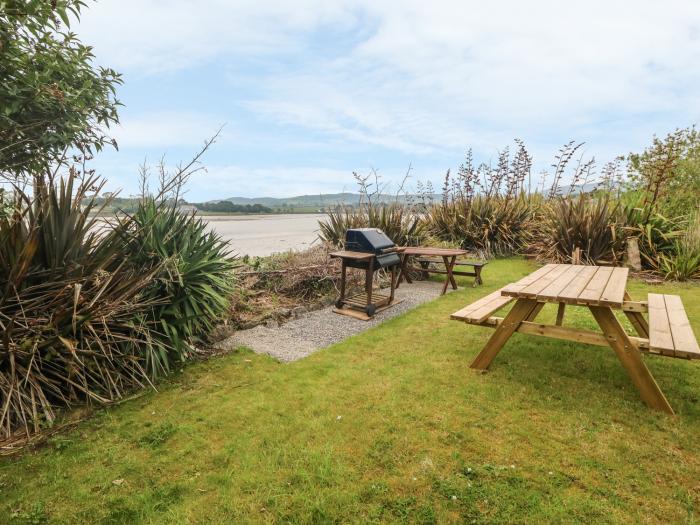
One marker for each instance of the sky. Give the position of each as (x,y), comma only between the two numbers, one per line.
(309,91)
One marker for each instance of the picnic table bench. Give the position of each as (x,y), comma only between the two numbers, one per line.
(427,256)
(601,289)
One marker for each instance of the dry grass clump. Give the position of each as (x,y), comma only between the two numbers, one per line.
(272,286)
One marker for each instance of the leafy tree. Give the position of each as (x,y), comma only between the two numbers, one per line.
(667,174)
(51,97)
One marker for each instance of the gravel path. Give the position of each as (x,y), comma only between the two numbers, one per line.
(312,331)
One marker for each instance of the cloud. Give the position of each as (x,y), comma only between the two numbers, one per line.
(156,36)
(232,181)
(438,78)
(411,79)
(167,129)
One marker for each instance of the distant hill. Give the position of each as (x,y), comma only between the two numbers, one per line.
(333,199)
(329,199)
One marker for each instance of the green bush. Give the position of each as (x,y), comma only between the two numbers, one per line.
(194,281)
(74,321)
(592,224)
(684,261)
(90,309)
(494,225)
(400,223)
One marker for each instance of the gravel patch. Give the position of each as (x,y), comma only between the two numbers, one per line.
(315,330)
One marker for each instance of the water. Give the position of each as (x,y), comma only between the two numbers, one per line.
(261,235)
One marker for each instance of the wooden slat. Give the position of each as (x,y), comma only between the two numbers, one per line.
(513,289)
(684,341)
(429,251)
(566,334)
(478,316)
(614,293)
(482,309)
(475,305)
(360,256)
(596,286)
(540,284)
(577,285)
(552,290)
(660,337)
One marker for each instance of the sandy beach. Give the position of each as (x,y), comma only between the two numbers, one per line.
(261,235)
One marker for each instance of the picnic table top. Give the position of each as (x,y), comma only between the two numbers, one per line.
(573,284)
(428,250)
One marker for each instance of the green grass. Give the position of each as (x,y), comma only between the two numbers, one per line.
(390,426)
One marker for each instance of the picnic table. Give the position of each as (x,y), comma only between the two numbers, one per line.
(601,289)
(427,255)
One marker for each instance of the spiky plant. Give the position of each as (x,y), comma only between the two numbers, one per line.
(399,222)
(194,280)
(492,225)
(74,323)
(684,262)
(591,224)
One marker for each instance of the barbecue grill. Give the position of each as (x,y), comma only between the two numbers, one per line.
(367,249)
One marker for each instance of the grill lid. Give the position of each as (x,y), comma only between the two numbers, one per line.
(372,240)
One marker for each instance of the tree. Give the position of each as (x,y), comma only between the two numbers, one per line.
(51,97)
(668,173)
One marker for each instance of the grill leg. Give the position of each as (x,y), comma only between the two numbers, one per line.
(343,273)
(368,281)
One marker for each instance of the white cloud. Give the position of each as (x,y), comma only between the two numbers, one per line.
(168,128)
(231,181)
(442,76)
(420,78)
(161,35)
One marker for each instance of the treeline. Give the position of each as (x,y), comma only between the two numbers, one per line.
(229,207)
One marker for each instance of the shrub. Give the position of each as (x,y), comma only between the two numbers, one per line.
(591,223)
(91,309)
(684,262)
(74,323)
(493,225)
(194,280)
(656,234)
(400,223)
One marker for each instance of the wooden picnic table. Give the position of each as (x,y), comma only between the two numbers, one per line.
(448,256)
(601,289)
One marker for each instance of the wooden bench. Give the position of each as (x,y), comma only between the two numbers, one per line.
(425,263)
(481,310)
(670,333)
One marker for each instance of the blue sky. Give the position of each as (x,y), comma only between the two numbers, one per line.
(310,91)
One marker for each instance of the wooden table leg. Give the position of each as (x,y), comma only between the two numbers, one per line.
(403,274)
(520,311)
(449,279)
(631,359)
(560,314)
(393,284)
(535,312)
(477,277)
(637,320)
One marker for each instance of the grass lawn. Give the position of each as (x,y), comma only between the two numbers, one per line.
(388,426)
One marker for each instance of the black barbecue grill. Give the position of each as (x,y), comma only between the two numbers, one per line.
(367,249)
(374,241)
